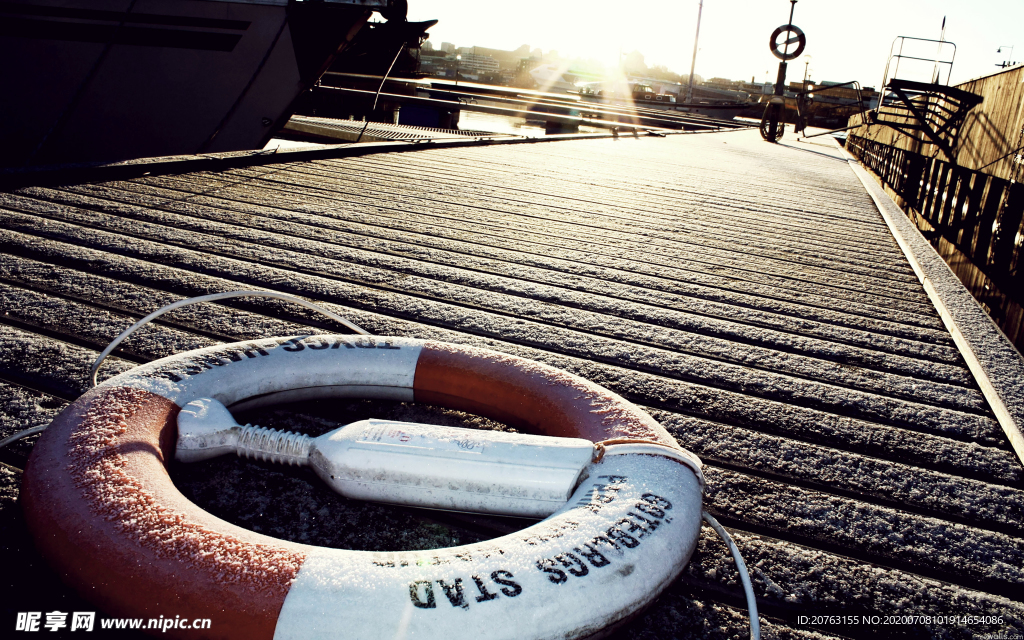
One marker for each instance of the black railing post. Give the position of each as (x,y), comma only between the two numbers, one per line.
(944,216)
(973,247)
(930,189)
(987,220)
(1008,229)
(917,168)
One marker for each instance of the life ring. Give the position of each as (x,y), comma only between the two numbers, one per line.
(774,44)
(103,511)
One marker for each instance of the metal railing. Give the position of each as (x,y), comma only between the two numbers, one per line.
(939,64)
(980,214)
(807,108)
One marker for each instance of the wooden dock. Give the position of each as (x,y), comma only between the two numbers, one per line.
(752,297)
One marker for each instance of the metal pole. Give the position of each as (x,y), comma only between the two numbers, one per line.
(693,63)
(776,110)
(938,53)
(779,83)
(780,80)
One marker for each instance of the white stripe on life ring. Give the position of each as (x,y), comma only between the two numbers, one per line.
(276,370)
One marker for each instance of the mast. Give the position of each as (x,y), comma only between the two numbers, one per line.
(693,63)
(938,53)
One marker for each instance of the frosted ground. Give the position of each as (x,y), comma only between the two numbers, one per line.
(767,318)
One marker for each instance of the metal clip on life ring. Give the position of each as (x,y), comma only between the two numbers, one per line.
(622,525)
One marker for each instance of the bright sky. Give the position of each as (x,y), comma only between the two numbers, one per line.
(846,40)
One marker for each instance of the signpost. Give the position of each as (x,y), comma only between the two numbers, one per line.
(781,45)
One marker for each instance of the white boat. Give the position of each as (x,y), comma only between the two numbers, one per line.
(552,77)
(103,80)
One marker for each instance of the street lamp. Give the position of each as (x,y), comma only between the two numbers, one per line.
(804,100)
(1005,63)
(458,65)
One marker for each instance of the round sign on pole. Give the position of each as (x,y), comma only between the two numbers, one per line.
(781,46)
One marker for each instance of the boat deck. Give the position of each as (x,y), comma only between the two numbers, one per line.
(750,296)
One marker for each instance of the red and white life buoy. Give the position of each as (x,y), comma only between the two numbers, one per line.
(103,510)
(793,35)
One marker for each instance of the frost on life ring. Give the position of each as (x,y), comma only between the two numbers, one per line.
(103,510)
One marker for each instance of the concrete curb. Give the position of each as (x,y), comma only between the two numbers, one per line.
(996,364)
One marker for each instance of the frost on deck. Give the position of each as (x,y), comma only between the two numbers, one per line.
(748,295)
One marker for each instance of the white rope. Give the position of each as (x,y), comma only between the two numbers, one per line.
(755,625)
(22,434)
(210,298)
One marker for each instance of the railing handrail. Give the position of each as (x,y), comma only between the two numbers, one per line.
(980,214)
(824,88)
(899,56)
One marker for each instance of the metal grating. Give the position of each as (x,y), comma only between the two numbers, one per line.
(345,129)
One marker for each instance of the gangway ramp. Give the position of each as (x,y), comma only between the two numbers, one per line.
(751,296)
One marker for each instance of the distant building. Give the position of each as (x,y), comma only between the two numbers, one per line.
(522,77)
(722,83)
(828,91)
(478,64)
(757,88)
(507,60)
(434,62)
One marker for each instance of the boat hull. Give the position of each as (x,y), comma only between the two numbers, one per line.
(722,112)
(108,80)
(726,111)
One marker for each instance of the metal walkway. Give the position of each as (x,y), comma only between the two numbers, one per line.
(333,131)
(749,295)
